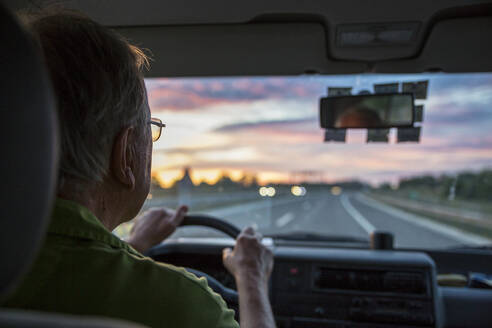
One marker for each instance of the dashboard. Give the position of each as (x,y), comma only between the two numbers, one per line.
(333,287)
(343,287)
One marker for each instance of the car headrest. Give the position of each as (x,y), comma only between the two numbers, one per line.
(28,139)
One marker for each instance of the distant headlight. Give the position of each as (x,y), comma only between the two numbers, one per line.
(298,191)
(336,190)
(267,191)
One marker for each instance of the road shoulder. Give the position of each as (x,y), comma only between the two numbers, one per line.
(450,232)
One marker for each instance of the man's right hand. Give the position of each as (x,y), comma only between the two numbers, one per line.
(250,258)
(251,264)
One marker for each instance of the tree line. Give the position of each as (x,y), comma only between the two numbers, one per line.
(464,185)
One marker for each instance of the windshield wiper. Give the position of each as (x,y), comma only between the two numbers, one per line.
(310,236)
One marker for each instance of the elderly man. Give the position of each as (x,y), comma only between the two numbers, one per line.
(104,178)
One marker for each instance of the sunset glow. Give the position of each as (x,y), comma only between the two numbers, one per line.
(268,128)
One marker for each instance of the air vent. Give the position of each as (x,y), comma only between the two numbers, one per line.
(371,281)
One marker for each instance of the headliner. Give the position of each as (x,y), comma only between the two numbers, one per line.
(290,37)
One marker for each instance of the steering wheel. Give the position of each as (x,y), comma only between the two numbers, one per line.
(211,222)
(229,295)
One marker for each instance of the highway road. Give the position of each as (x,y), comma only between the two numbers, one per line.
(349,214)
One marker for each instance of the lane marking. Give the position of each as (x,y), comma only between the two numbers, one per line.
(249,207)
(244,215)
(285,219)
(436,227)
(359,218)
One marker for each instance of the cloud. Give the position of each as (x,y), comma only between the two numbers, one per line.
(194,93)
(467,116)
(273,124)
(471,143)
(189,94)
(193,150)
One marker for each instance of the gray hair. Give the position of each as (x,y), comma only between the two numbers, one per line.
(98,80)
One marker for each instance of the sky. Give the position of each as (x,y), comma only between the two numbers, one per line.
(269,127)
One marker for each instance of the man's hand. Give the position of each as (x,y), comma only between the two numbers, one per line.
(249,257)
(153,226)
(251,264)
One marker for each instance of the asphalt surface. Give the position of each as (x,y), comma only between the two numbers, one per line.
(348,214)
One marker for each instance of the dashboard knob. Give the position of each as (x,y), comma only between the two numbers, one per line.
(382,240)
(319,310)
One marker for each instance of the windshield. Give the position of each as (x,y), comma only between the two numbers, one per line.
(251,151)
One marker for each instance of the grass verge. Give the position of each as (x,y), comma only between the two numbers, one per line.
(468,227)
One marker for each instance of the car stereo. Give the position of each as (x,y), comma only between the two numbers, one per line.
(365,289)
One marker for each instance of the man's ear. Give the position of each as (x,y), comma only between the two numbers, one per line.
(121,158)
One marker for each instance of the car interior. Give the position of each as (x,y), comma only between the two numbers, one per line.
(316,282)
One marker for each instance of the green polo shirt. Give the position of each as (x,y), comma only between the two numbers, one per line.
(84,269)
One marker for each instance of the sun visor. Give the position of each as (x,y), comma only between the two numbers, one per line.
(238,49)
(454,45)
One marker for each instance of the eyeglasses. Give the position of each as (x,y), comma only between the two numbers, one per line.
(156,125)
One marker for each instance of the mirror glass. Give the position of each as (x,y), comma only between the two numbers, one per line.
(367,111)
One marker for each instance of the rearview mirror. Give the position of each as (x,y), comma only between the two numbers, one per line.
(367,111)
